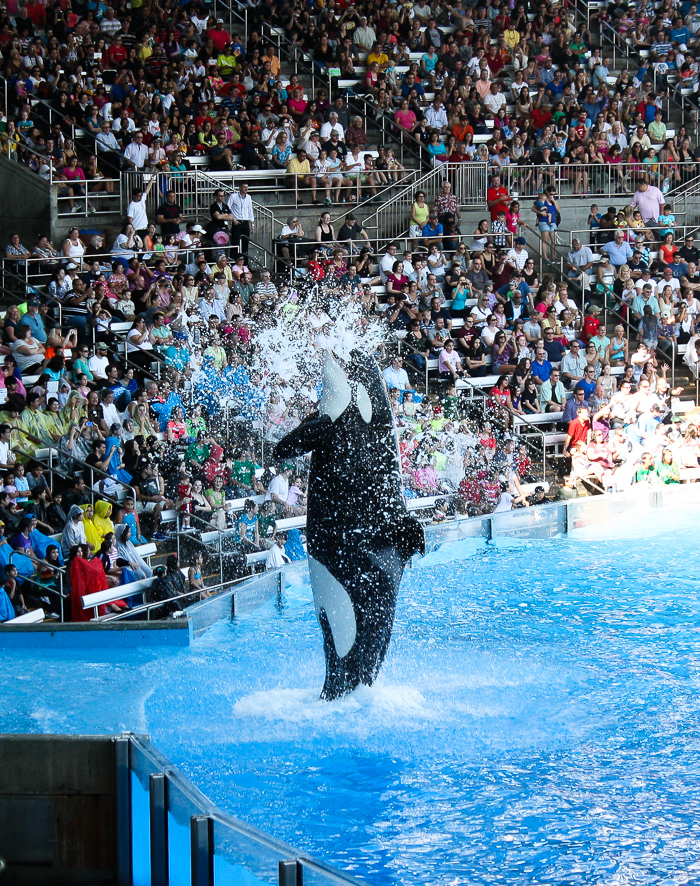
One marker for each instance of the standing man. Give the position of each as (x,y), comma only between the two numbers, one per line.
(497,198)
(169,216)
(243,224)
(136,210)
(648,199)
(220,214)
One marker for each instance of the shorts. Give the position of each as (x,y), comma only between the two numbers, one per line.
(546,226)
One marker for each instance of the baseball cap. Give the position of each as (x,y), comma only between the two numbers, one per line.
(198,228)
(520,241)
(33,303)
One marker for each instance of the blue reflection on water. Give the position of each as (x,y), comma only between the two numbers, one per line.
(537,719)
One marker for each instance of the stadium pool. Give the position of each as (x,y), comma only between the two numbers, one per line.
(537,720)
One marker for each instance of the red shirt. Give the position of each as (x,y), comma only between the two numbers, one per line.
(578,431)
(116,54)
(219,37)
(493,194)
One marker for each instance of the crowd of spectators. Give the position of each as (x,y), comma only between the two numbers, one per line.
(141,425)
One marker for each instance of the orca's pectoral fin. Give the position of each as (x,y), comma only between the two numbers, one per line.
(409,537)
(304,438)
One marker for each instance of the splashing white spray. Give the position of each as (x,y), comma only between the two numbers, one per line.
(293,348)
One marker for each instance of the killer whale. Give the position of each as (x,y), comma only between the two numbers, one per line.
(359,533)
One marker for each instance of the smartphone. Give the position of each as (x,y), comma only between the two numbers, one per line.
(88,424)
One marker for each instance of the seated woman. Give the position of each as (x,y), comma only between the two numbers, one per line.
(396,279)
(216,498)
(128,554)
(116,569)
(87,577)
(102,519)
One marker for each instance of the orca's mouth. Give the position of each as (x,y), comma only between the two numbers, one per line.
(339,391)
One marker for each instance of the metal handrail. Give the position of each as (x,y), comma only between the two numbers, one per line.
(53,469)
(61,570)
(147,607)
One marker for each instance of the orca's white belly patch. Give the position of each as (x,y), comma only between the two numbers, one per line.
(331,597)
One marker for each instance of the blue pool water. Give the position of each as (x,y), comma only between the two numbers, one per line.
(537,720)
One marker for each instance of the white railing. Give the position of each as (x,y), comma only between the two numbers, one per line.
(469,185)
(583,180)
(195,193)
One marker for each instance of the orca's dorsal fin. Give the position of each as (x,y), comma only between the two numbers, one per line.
(304,438)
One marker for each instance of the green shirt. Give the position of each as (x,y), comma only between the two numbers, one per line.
(243,472)
(199,453)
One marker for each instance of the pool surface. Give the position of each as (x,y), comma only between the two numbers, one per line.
(537,719)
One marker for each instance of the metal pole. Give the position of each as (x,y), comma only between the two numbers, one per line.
(202,850)
(122,759)
(159,829)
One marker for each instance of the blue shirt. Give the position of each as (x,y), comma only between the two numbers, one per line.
(36,324)
(618,254)
(522,287)
(432,232)
(571,409)
(541,370)
(555,350)
(588,387)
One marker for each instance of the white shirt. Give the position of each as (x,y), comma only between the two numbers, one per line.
(505,502)
(117,125)
(396,378)
(436,119)
(241,207)
(641,283)
(110,413)
(279,486)
(327,128)
(98,366)
(386,264)
(517,258)
(137,153)
(488,336)
(5,452)
(136,211)
(494,102)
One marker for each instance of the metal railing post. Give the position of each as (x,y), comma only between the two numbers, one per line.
(202,850)
(122,760)
(160,869)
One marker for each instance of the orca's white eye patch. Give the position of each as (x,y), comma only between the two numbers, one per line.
(364,404)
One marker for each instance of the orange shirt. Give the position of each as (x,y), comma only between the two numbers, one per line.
(460,131)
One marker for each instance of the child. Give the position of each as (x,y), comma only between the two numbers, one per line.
(21,485)
(126,306)
(500,229)
(170,250)
(158,245)
(10,487)
(440,512)
(450,404)
(667,220)
(131,519)
(11,589)
(194,575)
(409,407)
(184,499)
(594,222)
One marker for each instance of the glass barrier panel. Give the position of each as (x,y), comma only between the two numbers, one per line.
(142,767)
(252,595)
(315,875)
(240,860)
(180,811)
(542,521)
